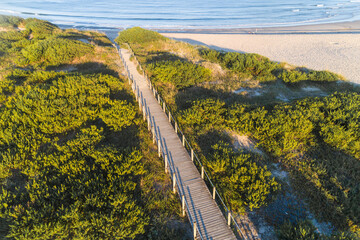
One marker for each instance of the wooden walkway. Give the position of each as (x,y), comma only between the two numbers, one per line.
(201,209)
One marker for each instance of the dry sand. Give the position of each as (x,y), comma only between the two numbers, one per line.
(334,47)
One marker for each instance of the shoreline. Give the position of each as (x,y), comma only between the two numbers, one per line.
(323,28)
(348,27)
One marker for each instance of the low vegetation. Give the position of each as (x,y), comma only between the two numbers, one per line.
(262,69)
(315,139)
(55,51)
(76,160)
(178,73)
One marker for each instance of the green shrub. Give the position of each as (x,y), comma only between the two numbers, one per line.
(211,55)
(55,51)
(11,35)
(10,21)
(242,183)
(138,35)
(300,134)
(259,67)
(302,230)
(204,115)
(39,28)
(179,73)
(293,76)
(323,76)
(82,191)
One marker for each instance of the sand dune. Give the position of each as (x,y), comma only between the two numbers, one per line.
(335,51)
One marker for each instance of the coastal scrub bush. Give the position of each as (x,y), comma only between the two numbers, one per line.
(179,73)
(292,76)
(69,176)
(138,35)
(323,76)
(81,185)
(295,76)
(242,183)
(259,67)
(11,35)
(40,29)
(76,161)
(55,51)
(203,115)
(211,55)
(302,230)
(318,141)
(10,21)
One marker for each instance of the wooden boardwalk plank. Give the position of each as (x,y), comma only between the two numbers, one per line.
(203,209)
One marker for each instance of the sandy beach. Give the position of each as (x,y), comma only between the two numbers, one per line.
(334,47)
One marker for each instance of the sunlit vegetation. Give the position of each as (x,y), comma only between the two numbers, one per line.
(179,73)
(55,51)
(305,230)
(262,69)
(76,159)
(315,139)
(242,182)
(40,29)
(9,22)
(138,35)
(254,65)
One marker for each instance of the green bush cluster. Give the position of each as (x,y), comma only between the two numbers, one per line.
(203,115)
(179,73)
(8,39)
(311,137)
(76,161)
(138,35)
(52,134)
(257,66)
(305,230)
(295,76)
(242,183)
(240,180)
(55,51)
(262,69)
(40,29)
(10,21)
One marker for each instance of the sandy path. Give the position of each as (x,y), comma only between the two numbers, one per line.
(339,53)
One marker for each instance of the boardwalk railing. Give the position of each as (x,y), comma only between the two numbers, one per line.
(162,149)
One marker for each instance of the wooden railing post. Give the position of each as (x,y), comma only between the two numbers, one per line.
(202,172)
(214,192)
(153,133)
(169,117)
(183,205)
(164,107)
(192,154)
(140,104)
(159,146)
(183,140)
(148,121)
(144,112)
(174,183)
(166,163)
(194,229)
(229,218)
(176,127)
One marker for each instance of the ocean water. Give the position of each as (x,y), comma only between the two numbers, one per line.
(184,14)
